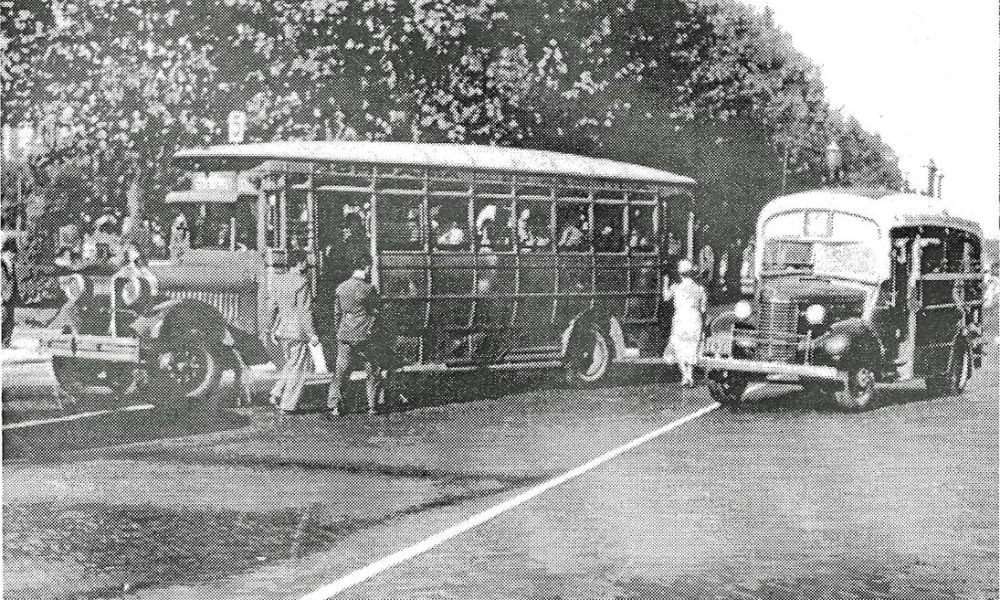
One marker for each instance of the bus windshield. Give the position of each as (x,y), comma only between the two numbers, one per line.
(820,243)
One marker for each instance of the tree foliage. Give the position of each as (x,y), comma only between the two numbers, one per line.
(707,88)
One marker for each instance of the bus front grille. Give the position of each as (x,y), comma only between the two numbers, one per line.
(778,335)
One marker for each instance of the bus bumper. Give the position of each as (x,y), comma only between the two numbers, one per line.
(91,347)
(710,363)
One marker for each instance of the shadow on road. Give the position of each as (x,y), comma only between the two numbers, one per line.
(55,441)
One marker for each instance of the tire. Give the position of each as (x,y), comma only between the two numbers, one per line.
(952,382)
(72,375)
(857,389)
(727,388)
(187,368)
(588,358)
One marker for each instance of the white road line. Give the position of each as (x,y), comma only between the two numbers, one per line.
(363,574)
(86,415)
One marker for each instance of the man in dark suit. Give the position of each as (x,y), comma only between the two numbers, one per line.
(11,291)
(355,313)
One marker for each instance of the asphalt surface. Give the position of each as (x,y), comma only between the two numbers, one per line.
(783,498)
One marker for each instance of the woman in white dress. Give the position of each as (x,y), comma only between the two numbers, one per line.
(690,303)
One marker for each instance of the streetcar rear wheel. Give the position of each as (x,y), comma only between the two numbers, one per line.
(589,357)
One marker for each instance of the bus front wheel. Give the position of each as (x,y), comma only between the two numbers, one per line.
(589,357)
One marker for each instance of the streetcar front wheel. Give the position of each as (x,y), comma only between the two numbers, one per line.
(187,368)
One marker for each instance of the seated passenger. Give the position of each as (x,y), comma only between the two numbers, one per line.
(572,236)
(452,236)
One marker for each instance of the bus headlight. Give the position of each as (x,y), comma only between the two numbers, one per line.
(835,345)
(815,314)
(743,310)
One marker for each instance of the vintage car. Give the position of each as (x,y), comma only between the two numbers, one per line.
(854,287)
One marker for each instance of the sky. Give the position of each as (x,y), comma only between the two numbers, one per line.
(924,74)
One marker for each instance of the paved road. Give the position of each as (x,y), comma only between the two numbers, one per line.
(781,499)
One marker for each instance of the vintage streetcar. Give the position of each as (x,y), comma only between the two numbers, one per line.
(486,258)
(854,287)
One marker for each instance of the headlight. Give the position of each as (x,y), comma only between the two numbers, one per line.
(835,345)
(815,314)
(743,310)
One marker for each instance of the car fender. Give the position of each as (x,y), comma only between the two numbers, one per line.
(860,346)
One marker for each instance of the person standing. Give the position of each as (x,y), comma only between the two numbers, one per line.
(180,237)
(355,313)
(690,303)
(11,288)
(293,329)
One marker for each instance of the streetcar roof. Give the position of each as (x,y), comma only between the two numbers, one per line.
(888,208)
(448,156)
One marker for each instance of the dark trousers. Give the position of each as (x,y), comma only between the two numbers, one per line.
(8,323)
(348,355)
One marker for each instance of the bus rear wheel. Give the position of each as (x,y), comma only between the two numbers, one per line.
(727,388)
(588,358)
(956,378)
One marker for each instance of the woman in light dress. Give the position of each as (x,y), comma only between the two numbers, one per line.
(690,303)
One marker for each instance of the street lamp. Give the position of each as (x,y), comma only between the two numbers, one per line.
(834,159)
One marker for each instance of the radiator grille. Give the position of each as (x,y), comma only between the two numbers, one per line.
(778,324)
(238,309)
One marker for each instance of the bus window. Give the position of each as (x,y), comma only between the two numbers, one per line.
(297,219)
(534,225)
(401,223)
(215,225)
(493,225)
(642,228)
(450,223)
(932,257)
(609,228)
(954,251)
(573,225)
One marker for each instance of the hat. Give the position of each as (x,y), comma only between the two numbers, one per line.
(684,267)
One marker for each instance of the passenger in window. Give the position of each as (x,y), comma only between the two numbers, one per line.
(412,227)
(180,236)
(609,239)
(451,236)
(572,236)
(486,226)
(530,231)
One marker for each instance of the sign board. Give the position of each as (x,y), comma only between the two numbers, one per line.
(237,126)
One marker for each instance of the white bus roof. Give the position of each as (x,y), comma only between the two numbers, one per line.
(887,208)
(447,156)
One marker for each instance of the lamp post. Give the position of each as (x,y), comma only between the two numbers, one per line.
(834,159)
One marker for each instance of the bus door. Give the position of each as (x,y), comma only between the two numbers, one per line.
(935,314)
(342,233)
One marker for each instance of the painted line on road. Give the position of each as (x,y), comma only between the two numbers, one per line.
(386,563)
(86,415)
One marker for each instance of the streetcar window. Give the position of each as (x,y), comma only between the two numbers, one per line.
(401,223)
(642,228)
(493,225)
(450,223)
(609,228)
(297,219)
(534,225)
(573,227)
